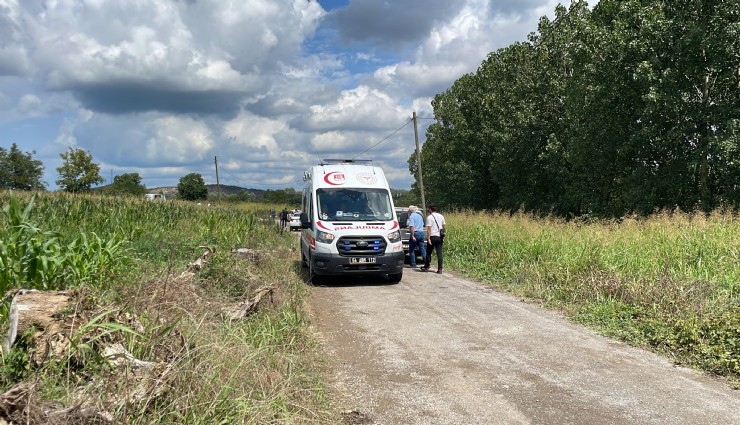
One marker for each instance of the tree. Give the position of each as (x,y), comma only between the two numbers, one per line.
(452,157)
(19,171)
(192,188)
(243,196)
(403,198)
(78,173)
(287,196)
(626,108)
(127,184)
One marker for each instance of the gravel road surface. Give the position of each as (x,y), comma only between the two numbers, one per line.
(440,349)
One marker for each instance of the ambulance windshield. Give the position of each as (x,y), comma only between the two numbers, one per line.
(343,204)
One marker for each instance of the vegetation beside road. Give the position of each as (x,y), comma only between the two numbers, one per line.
(609,109)
(257,369)
(670,282)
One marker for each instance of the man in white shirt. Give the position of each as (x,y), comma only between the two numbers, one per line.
(436,228)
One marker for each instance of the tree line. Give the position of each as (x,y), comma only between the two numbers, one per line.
(630,107)
(20,171)
(79,173)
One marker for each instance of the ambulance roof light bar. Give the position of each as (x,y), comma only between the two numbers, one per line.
(345,161)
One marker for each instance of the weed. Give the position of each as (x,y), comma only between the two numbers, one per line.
(670,282)
(131,252)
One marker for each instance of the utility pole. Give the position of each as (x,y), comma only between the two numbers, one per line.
(218,185)
(418,164)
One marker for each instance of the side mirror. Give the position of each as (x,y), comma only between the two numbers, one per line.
(403,219)
(305,223)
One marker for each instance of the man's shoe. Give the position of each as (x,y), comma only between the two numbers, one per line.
(439,271)
(424,269)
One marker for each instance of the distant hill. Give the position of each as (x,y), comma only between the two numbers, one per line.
(171,191)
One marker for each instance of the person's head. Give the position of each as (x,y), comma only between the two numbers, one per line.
(412,209)
(432,208)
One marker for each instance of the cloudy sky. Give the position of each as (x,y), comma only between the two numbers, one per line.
(269,87)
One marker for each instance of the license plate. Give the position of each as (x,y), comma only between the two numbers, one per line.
(362,260)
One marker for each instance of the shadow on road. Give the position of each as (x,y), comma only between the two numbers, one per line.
(342,281)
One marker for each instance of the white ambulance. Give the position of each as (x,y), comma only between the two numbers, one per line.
(349,225)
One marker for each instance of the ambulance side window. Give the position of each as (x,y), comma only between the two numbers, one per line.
(310,205)
(307,204)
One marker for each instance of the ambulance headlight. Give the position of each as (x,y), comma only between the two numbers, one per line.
(394,236)
(324,237)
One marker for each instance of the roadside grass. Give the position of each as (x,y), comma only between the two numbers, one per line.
(255,371)
(258,369)
(669,282)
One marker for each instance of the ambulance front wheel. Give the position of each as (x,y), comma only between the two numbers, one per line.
(395,277)
(313,278)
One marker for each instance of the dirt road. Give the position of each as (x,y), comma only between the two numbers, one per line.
(439,349)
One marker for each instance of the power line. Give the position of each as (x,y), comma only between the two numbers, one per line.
(242,182)
(383,140)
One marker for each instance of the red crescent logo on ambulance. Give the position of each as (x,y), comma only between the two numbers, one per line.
(395,224)
(335,178)
(320,224)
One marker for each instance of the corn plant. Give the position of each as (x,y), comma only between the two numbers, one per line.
(255,371)
(37,259)
(28,256)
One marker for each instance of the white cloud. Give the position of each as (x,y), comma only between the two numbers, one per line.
(13,54)
(360,108)
(455,48)
(194,46)
(251,135)
(178,140)
(13,61)
(267,86)
(144,139)
(29,104)
(141,58)
(331,141)
(66,137)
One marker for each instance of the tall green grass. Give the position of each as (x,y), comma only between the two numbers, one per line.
(257,370)
(157,231)
(670,281)
(34,257)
